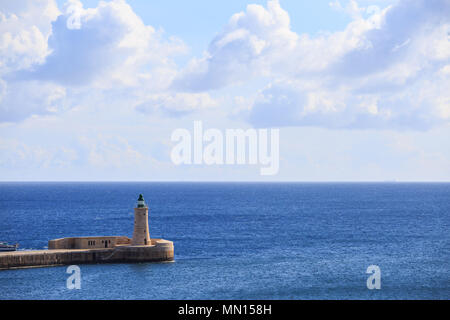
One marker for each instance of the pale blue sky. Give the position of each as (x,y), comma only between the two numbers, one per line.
(360,90)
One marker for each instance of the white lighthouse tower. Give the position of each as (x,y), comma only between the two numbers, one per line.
(141,235)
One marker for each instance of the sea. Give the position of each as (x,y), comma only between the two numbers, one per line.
(239,240)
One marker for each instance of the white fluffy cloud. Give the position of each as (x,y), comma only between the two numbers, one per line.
(104,46)
(385,70)
(250,45)
(25,27)
(414,34)
(260,42)
(44,53)
(24,30)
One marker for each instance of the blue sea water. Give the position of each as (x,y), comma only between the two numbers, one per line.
(239,240)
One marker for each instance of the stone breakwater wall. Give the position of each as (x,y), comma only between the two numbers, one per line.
(162,250)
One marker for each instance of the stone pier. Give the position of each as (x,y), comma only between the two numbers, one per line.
(97,249)
(160,250)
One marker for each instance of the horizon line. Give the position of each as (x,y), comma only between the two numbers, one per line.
(226,181)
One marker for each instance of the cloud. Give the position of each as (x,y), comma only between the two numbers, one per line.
(260,43)
(16,154)
(297,103)
(46,55)
(25,27)
(98,151)
(353,9)
(176,104)
(24,30)
(21,99)
(412,32)
(387,69)
(106,151)
(389,73)
(384,70)
(104,46)
(250,44)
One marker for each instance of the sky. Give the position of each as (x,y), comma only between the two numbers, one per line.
(93,90)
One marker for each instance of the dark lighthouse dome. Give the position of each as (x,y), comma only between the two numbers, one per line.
(141,202)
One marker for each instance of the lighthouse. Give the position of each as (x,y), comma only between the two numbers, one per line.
(141,236)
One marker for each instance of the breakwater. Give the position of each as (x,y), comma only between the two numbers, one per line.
(160,250)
